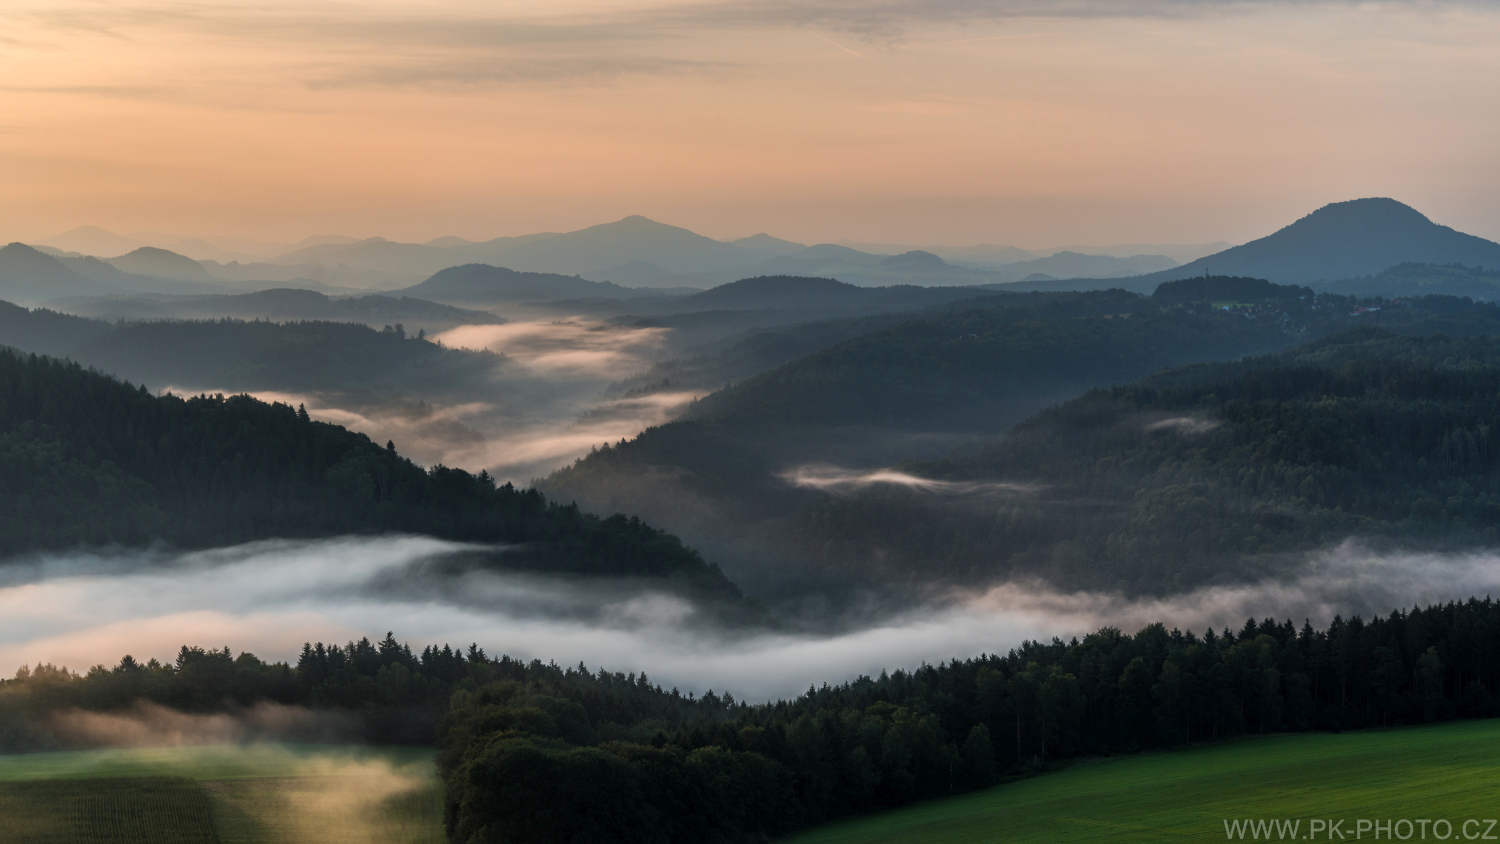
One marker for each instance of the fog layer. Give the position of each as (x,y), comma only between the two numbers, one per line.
(543,405)
(270,597)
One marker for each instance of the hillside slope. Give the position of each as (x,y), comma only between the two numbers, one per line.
(914,389)
(1209,473)
(91,460)
(772,476)
(149,260)
(764,292)
(30,276)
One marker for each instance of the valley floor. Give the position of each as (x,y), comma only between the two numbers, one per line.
(1446,772)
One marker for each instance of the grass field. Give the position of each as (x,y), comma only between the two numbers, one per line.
(260,794)
(1450,771)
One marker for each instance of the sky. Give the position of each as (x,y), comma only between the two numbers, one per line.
(1022,122)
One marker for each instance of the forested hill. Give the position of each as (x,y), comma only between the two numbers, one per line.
(1212,472)
(982,367)
(258,355)
(801,292)
(911,390)
(46,332)
(235,354)
(89,460)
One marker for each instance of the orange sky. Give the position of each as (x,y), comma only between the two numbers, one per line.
(918,121)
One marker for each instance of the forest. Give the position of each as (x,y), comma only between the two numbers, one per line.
(90,460)
(911,393)
(1211,472)
(541,753)
(238,354)
(1413,279)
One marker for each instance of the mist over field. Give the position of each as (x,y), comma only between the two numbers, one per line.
(271,597)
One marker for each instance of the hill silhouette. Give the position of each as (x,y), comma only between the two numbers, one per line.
(1344,240)
(282,304)
(635,238)
(482,283)
(30,275)
(789,291)
(162,263)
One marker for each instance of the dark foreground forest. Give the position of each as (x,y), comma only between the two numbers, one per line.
(540,753)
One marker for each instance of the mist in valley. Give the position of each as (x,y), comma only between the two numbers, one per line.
(269,598)
(542,403)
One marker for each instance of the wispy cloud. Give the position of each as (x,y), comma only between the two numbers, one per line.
(481,72)
(423,44)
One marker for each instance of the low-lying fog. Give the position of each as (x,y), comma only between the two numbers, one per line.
(543,406)
(270,597)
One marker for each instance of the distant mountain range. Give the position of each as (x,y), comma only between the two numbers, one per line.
(633,252)
(1344,240)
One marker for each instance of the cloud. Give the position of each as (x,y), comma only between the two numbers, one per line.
(487,71)
(405,43)
(269,597)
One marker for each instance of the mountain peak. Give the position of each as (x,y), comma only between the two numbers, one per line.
(29,275)
(1366,212)
(1344,240)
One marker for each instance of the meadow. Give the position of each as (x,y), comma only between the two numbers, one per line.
(257,794)
(1449,772)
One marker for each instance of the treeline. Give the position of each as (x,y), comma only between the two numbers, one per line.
(1209,471)
(394,694)
(91,460)
(302,355)
(1420,279)
(525,761)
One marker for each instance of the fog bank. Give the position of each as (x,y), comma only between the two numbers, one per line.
(270,597)
(541,406)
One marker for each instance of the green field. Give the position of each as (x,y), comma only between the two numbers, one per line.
(1450,772)
(260,794)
